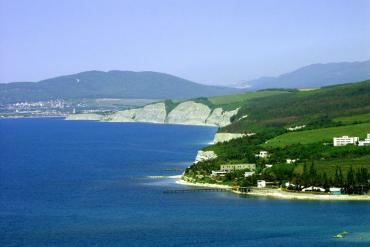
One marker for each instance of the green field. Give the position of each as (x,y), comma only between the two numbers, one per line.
(329,166)
(318,135)
(361,118)
(231,99)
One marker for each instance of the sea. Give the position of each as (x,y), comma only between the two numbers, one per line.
(84,183)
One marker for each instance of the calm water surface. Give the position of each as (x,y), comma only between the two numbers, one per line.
(80,183)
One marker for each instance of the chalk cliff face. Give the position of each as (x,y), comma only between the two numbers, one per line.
(86,116)
(225,137)
(153,113)
(188,113)
(205,155)
(121,116)
(220,117)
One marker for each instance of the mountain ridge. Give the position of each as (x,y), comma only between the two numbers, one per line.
(110,84)
(314,75)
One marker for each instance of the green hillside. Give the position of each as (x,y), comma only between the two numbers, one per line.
(326,113)
(242,98)
(360,118)
(303,107)
(318,135)
(233,101)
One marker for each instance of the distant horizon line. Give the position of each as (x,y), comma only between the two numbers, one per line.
(171,74)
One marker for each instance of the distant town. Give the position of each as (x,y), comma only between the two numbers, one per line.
(61,107)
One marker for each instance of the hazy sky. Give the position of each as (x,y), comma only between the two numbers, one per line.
(213,42)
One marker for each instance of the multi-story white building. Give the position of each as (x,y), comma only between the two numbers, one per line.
(234,167)
(345,140)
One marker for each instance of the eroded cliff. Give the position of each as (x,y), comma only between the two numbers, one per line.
(188,113)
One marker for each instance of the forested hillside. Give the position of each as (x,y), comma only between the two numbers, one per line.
(304,156)
(316,107)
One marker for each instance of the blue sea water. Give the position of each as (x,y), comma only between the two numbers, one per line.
(81,183)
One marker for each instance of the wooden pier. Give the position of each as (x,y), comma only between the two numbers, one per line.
(197,190)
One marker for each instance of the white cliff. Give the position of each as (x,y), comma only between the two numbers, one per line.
(220,117)
(121,116)
(190,113)
(85,116)
(205,155)
(225,137)
(153,113)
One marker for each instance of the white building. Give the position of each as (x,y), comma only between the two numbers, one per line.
(290,161)
(261,183)
(335,190)
(262,154)
(268,165)
(313,188)
(365,142)
(248,174)
(345,140)
(296,128)
(219,173)
(234,167)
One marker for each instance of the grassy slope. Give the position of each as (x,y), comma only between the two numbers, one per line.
(239,98)
(228,102)
(361,118)
(269,115)
(317,135)
(231,102)
(298,108)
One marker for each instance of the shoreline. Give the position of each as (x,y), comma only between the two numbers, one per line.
(41,116)
(280,194)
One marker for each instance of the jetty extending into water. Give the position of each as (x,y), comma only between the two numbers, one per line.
(197,190)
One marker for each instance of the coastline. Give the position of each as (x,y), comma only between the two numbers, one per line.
(280,194)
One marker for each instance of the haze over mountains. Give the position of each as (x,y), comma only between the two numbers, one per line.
(154,85)
(314,75)
(111,84)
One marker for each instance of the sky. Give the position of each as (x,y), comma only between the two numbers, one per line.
(207,41)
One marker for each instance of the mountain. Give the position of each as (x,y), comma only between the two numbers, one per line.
(111,84)
(315,75)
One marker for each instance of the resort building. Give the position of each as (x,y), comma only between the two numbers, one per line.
(365,142)
(335,191)
(235,167)
(219,173)
(248,174)
(261,183)
(262,154)
(313,188)
(290,161)
(296,128)
(344,140)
